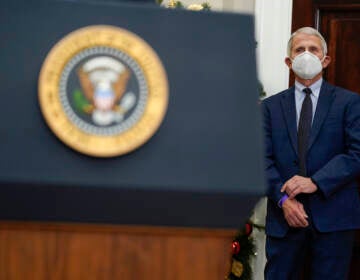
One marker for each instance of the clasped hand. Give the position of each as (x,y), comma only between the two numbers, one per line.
(298,184)
(294,212)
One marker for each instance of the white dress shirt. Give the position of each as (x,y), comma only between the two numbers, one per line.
(300,96)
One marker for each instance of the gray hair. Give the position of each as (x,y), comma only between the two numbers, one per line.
(309,31)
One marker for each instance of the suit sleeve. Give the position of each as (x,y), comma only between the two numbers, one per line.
(274,182)
(344,167)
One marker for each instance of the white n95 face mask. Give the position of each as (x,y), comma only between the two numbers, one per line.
(307,65)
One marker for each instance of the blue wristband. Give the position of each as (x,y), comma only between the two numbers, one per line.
(282,200)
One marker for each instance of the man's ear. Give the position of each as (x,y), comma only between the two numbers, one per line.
(326,61)
(288,62)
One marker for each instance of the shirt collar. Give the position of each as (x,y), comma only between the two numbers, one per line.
(315,87)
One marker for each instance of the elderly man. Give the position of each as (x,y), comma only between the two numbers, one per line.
(312,133)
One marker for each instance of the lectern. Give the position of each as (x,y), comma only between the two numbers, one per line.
(130,140)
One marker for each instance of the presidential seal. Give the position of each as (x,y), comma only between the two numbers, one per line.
(103,91)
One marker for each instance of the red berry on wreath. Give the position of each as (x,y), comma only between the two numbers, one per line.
(248,229)
(235,247)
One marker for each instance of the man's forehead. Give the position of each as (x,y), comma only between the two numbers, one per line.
(306,39)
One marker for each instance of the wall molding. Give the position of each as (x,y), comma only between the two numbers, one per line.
(273,29)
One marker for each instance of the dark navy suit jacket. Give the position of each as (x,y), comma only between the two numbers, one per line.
(333,159)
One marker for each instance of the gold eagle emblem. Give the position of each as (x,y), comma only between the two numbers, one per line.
(104,80)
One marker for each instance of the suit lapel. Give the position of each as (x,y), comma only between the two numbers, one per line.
(289,113)
(325,99)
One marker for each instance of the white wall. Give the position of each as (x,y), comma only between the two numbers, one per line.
(273,29)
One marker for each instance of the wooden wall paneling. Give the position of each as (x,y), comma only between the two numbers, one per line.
(37,251)
(340,27)
(337,2)
(303,14)
(346,73)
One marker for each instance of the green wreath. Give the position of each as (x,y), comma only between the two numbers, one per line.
(243,249)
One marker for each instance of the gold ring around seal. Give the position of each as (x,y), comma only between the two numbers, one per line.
(93,144)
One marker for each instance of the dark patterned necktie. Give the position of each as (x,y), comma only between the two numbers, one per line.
(304,130)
